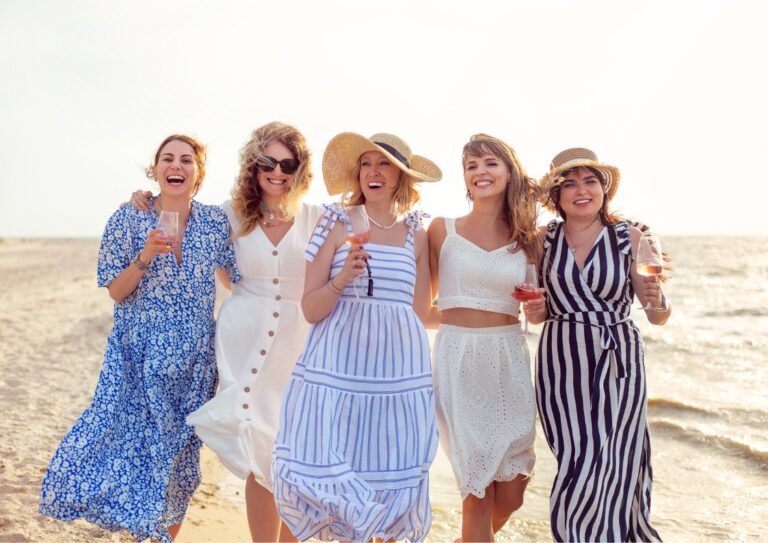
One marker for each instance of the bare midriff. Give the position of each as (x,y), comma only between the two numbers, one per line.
(475,318)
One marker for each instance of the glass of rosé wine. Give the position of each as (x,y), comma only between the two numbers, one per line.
(650,261)
(359,234)
(528,289)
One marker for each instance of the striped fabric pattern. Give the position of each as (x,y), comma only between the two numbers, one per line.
(358,430)
(591,393)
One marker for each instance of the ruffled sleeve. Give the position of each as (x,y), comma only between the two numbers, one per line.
(549,237)
(623,238)
(332,214)
(116,250)
(226,259)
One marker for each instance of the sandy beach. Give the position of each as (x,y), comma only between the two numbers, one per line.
(53,327)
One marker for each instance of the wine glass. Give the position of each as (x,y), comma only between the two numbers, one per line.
(360,234)
(650,261)
(168,222)
(528,289)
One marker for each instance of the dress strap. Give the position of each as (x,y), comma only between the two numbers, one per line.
(623,238)
(414,220)
(450,226)
(332,214)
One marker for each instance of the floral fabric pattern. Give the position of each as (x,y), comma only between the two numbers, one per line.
(131,462)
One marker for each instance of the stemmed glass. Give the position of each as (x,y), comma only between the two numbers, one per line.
(360,234)
(168,222)
(528,289)
(650,261)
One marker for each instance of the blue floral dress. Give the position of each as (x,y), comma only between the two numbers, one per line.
(131,462)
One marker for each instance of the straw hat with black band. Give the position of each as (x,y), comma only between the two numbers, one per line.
(574,158)
(343,152)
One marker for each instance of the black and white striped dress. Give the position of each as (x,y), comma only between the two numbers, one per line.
(591,393)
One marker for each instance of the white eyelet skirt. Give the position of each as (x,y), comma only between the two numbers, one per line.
(486,406)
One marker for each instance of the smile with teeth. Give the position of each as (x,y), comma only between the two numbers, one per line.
(483,183)
(582,201)
(275,181)
(375,184)
(175,180)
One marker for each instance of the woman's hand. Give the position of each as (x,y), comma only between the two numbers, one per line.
(354,265)
(652,290)
(140,200)
(536,309)
(157,244)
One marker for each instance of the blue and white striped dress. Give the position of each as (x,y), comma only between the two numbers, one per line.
(591,393)
(357,429)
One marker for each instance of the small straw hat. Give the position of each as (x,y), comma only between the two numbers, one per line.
(573,158)
(343,151)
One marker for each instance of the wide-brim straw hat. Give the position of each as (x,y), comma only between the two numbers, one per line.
(343,152)
(573,158)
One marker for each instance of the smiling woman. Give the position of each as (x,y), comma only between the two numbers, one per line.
(131,462)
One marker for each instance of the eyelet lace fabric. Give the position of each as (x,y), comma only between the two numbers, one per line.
(485,404)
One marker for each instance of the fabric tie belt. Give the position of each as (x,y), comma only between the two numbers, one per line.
(608,342)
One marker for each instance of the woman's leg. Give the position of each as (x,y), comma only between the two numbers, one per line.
(509,498)
(476,516)
(263,520)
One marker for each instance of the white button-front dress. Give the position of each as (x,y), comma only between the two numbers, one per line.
(259,336)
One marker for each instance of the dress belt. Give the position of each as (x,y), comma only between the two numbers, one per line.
(608,342)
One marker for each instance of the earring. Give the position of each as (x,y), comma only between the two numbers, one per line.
(469,195)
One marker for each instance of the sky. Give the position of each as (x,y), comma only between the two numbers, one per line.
(674,93)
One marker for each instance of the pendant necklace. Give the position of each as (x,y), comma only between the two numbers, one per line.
(382,226)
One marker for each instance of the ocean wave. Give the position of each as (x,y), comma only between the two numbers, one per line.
(739,312)
(756,456)
(660,407)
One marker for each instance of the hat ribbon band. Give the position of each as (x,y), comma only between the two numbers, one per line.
(394,152)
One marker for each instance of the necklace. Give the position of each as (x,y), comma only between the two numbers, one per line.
(276,216)
(573,247)
(382,226)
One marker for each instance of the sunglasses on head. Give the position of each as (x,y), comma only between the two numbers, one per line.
(287,165)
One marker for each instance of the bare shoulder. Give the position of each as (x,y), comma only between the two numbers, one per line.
(436,233)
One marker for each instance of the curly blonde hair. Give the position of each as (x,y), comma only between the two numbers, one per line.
(197,148)
(247,194)
(522,194)
(405,197)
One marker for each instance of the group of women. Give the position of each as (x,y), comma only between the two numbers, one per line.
(328,403)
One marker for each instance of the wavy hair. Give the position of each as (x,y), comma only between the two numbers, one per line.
(519,210)
(197,148)
(247,195)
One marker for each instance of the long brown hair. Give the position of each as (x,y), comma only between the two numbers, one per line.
(247,195)
(520,200)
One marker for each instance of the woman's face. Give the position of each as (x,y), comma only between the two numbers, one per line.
(276,184)
(176,169)
(486,176)
(581,193)
(379,178)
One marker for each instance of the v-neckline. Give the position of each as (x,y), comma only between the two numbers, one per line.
(280,241)
(590,254)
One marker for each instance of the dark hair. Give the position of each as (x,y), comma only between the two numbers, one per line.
(606,216)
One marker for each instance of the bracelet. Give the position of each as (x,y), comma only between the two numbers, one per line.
(333,288)
(139,264)
(664,304)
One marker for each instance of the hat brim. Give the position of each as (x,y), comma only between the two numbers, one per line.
(343,151)
(549,181)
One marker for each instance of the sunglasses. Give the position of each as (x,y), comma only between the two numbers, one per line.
(287,165)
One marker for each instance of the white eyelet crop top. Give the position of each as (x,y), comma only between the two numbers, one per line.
(474,278)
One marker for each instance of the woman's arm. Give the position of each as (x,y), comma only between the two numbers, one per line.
(422,301)
(647,289)
(126,282)
(435,239)
(322,292)
(536,309)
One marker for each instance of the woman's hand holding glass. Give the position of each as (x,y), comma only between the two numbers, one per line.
(157,243)
(531,295)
